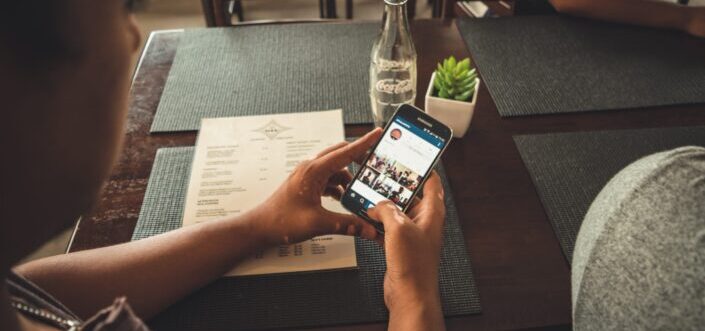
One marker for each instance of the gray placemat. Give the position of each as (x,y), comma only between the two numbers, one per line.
(554,64)
(255,70)
(570,169)
(292,300)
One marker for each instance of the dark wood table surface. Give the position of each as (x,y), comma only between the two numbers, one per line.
(522,275)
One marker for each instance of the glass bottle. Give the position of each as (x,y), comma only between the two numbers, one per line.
(393,66)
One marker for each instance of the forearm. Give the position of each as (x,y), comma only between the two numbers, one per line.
(419,314)
(640,12)
(152,273)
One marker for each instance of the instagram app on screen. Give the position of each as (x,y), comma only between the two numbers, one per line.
(396,167)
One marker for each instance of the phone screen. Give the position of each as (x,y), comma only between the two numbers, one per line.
(396,167)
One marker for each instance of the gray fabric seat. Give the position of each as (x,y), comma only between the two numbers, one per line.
(639,260)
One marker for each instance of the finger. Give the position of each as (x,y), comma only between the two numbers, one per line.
(348,225)
(415,202)
(359,160)
(337,159)
(335,192)
(368,231)
(434,187)
(433,200)
(343,177)
(387,213)
(371,233)
(332,148)
(379,237)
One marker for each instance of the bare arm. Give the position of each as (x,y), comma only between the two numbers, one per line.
(155,272)
(412,244)
(640,12)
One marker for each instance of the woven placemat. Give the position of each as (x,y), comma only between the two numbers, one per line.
(554,64)
(298,299)
(256,70)
(570,169)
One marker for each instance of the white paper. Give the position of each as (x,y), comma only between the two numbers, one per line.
(240,161)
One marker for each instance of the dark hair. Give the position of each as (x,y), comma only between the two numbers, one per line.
(33,32)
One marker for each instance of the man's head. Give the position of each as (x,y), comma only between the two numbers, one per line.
(64,78)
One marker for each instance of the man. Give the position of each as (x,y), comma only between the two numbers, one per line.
(64,77)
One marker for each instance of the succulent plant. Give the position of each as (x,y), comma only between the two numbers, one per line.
(455,80)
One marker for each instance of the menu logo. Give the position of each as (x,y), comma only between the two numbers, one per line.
(272,129)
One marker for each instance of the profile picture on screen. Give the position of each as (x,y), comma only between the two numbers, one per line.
(395,134)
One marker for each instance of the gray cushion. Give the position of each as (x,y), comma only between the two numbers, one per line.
(639,260)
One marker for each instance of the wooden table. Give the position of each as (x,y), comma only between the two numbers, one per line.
(523,278)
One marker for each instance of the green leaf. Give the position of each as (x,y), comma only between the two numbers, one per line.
(464,96)
(469,87)
(443,94)
(437,83)
(440,68)
(472,73)
(461,75)
(452,62)
(464,64)
(445,85)
(467,80)
(441,75)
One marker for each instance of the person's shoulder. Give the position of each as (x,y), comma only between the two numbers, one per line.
(638,239)
(679,174)
(670,180)
(670,171)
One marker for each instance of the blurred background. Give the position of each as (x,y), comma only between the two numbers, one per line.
(171,14)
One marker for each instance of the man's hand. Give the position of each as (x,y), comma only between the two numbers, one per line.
(413,246)
(294,212)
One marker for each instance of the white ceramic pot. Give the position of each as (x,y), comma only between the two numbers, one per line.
(455,114)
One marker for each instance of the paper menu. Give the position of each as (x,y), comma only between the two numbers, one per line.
(240,161)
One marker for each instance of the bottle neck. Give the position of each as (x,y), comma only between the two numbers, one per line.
(395,18)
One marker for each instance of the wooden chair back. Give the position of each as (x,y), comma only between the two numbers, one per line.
(220,12)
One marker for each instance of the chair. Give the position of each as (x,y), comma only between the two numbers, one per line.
(220,12)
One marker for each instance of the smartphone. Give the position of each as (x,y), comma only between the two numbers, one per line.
(399,163)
